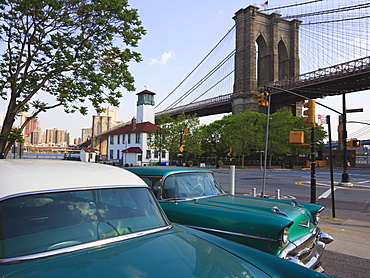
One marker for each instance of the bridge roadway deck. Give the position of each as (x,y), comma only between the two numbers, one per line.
(352,76)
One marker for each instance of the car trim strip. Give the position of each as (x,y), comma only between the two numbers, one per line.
(230,233)
(70,189)
(81,246)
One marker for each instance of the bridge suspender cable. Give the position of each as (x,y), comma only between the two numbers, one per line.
(344,9)
(202,80)
(293,5)
(336,20)
(196,67)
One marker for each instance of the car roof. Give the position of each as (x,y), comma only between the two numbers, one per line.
(162,170)
(19,176)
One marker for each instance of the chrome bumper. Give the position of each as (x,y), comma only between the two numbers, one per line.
(307,250)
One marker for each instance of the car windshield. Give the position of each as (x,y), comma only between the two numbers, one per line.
(43,222)
(190,185)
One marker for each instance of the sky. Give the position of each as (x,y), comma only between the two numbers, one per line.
(179,35)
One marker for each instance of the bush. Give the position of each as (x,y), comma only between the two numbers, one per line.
(189,163)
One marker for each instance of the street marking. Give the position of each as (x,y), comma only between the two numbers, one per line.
(342,231)
(326,194)
(323,185)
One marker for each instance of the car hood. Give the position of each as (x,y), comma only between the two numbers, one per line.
(282,212)
(244,203)
(165,254)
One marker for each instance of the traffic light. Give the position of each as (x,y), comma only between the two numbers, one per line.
(263,98)
(310,112)
(354,143)
(296,137)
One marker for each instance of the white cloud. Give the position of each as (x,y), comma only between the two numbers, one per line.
(164,58)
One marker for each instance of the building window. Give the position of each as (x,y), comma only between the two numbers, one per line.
(139,157)
(137,141)
(163,154)
(118,154)
(148,154)
(110,154)
(128,138)
(155,154)
(123,138)
(111,140)
(119,139)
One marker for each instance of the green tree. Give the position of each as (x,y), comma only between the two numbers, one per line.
(281,123)
(214,142)
(182,131)
(71,50)
(246,132)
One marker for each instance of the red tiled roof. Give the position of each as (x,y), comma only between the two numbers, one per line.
(133,150)
(87,150)
(140,127)
(147,92)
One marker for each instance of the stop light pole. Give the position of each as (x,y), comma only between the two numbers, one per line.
(345,177)
(311,119)
(265,100)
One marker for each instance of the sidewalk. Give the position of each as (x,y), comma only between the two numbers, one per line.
(351,237)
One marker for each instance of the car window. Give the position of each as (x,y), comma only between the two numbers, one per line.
(190,185)
(42,222)
(153,182)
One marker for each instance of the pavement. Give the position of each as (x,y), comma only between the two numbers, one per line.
(351,237)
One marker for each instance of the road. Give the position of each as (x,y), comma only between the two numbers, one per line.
(349,255)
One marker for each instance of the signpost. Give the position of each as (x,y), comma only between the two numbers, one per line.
(355,110)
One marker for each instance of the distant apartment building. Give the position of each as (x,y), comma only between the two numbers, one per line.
(50,136)
(36,137)
(32,125)
(57,137)
(77,141)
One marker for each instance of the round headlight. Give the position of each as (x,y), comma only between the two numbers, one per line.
(284,236)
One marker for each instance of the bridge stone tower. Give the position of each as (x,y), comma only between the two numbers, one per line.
(266,51)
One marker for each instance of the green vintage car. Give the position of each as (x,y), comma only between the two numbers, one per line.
(284,228)
(76,219)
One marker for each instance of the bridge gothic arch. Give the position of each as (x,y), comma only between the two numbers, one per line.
(267,50)
(284,61)
(262,57)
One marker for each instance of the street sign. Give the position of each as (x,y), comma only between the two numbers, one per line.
(321,119)
(181,149)
(355,110)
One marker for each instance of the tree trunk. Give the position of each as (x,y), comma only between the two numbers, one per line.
(5,145)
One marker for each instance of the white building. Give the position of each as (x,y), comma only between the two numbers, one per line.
(128,144)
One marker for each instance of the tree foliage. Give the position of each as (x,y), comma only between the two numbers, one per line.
(243,134)
(73,50)
(246,132)
(181,131)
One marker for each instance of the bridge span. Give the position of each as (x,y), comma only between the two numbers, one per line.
(352,76)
